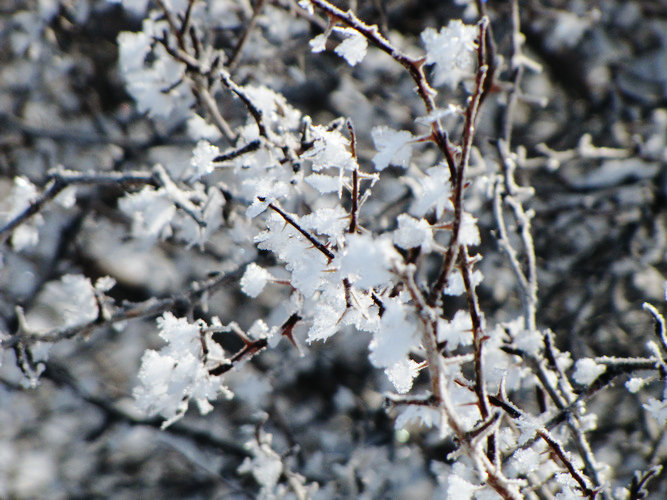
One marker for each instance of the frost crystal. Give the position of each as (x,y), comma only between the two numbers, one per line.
(432,191)
(456,332)
(353,47)
(366,261)
(254,279)
(424,415)
(451,50)
(202,159)
(325,183)
(319,43)
(329,221)
(151,211)
(198,128)
(174,375)
(396,337)
(330,149)
(265,465)
(23,194)
(402,374)
(460,489)
(413,233)
(72,298)
(393,147)
(469,233)
(587,370)
(456,286)
(635,384)
(657,409)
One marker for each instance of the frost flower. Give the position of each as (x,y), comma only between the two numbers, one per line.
(587,370)
(413,233)
(367,261)
(397,335)
(451,51)
(151,211)
(254,279)
(353,47)
(177,373)
(393,147)
(202,159)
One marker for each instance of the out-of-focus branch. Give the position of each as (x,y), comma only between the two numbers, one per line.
(150,307)
(59,180)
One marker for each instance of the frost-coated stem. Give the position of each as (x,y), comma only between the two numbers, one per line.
(471,447)
(414,66)
(238,50)
(60,180)
(469,132)
(150,307)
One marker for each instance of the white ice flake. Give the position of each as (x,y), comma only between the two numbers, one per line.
(151,211)
(264,464)
(469,233)
(413,233)
(198,128)
(72,298)
(530,341)
(418,414)
(524,461)
(451,51)
(353,47)
(457,332)
(263,191)
(326,321)
(319,43)
(325,183)
(307,6)
(367,261)
(329,221)
(22,195)
(254,279)
(440,113)
(634,384)
(587,370)
(307,264)
(171,377)
(402,374)
(432,191)
(455,284)
(396,337)
(202,159)
(460,489)
(393,147)
(132,51)
(657,409)
(330,149)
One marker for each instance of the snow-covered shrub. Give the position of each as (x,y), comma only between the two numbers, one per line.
(361,306)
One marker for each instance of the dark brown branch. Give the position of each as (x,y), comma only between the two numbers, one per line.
(557,449)
(321,247)
(415,68)
(453,249)
(230,155)
(355,181)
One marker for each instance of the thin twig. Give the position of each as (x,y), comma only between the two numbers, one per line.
(414,66)
(287,218)
(60,180)
(236,54)
(150,307)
